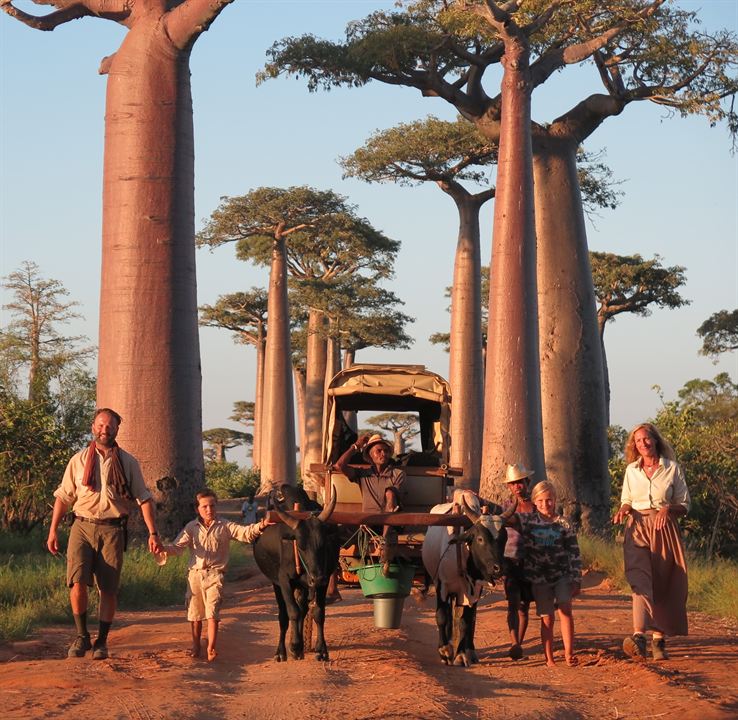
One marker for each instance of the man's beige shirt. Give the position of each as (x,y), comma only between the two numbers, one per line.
(100,501)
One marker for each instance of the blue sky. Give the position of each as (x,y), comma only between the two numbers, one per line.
(680,183)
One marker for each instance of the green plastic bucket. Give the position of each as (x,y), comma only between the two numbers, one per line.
(396,584)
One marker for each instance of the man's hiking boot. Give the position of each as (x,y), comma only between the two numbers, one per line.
(658,649)
(635,646)
(80,646)
(99,651)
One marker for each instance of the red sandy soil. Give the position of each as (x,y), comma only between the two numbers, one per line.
(372,673)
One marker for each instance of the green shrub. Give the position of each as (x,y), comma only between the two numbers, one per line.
(230,481)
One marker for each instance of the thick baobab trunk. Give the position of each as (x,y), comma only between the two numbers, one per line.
(298,375)
(278,414)
(572,381)
(350,416)
(466,372)
(601,320)
(149,359)
(258,403)
(312,439)
(512,409)
(333,357)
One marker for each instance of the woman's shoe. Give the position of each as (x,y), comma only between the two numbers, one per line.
(635,646)
(658,649)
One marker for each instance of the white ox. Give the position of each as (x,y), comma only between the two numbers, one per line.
(460,566)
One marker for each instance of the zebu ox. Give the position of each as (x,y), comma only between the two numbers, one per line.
(460,566)
(299,557)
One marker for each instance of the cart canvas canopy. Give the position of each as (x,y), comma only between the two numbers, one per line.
(388,389)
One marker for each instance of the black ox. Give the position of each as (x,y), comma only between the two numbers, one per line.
(299,557)
(460,577)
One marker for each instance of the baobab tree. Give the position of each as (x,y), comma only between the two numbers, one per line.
(640,50)
(719,333)
(403,426)
(446,153)
(245,315)
(149,358)
(221,439)
(630,284)
(314,235)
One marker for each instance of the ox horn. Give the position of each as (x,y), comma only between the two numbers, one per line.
(509,512)
(329,507)
(283,516)
(286,519)
(473,516)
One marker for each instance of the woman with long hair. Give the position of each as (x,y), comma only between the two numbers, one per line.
(654,496)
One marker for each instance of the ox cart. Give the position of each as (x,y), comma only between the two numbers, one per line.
(414,390)
(373,389)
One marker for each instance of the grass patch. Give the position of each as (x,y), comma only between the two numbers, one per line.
(712,587)
(33,590)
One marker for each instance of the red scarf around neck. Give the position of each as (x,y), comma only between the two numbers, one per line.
(118,477)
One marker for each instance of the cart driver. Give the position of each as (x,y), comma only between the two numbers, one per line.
(380,483)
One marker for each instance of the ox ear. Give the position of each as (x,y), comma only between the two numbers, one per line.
(465,537)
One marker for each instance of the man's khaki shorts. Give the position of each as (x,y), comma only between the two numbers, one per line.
(204,594)
(95,551)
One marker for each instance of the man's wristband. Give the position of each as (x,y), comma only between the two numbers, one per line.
(153,534)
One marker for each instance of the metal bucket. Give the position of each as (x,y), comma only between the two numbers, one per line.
(388,612)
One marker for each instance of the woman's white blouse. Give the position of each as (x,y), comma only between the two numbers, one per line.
(665,487)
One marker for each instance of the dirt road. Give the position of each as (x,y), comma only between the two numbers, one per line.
(372,673)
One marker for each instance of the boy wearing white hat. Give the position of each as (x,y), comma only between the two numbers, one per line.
(517,589)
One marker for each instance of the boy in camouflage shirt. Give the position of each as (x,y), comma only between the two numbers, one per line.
(553,566)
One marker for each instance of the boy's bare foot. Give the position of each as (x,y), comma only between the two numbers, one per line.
(212,654)
(550,662)
(194,651)
(572,661)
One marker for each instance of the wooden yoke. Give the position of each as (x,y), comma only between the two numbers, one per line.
(360,517)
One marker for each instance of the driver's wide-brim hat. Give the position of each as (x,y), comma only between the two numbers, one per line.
(517,472)
(376,439)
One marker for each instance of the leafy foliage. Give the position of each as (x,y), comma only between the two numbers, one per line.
(243,313)
(719,333)
(630,284)
(228,480)
(422,151)
(639,49)
(701,426)
(35,451)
